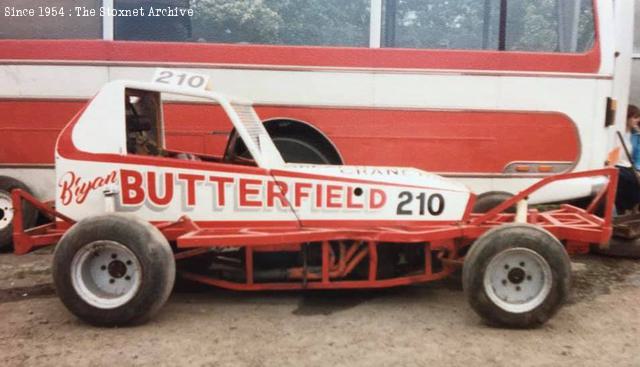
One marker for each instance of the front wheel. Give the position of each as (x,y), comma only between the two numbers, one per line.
(516,276)
(113,269)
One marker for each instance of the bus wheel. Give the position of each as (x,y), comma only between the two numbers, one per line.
(297,150)
(516,275)
(489,200)
(29,213)
(113,270)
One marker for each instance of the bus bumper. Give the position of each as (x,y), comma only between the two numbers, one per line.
(569,189)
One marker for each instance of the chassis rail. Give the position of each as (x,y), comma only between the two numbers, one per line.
(344,249)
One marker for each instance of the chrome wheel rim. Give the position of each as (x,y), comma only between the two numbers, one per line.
(518,280)
(6,210)
(106,274)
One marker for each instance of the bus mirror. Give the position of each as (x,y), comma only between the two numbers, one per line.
(610,115)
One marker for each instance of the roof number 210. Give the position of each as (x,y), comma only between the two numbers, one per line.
(180,79)
(433,204)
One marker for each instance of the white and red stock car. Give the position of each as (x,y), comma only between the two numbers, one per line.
(130,214)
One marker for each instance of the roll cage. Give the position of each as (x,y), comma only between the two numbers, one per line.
(148,97)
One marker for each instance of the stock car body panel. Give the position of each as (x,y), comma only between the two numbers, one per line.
(97,173)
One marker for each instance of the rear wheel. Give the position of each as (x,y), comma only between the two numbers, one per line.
(113,270)
(516,276)
(7,212)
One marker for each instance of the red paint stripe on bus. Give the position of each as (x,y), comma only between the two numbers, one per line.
(310,56)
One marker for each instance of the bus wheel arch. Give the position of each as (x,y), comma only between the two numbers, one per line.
(291,134)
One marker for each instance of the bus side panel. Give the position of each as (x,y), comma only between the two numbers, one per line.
(484,142)
(440,141)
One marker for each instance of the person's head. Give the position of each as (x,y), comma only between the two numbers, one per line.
(633,117)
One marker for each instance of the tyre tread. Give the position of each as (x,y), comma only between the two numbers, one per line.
(501,238)
(149,245)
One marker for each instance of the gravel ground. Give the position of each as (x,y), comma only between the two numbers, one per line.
(411,326)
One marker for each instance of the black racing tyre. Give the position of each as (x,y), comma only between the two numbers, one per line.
(620,247)
(29,213)
(113,269)
(489,200)
(516,275)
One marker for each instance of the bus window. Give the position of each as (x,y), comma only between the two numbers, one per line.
(235,22)
(48,26)
(434,24)
(152,28)
(636,32)
(550,25)
(322,22)
(513,25)
(275,22)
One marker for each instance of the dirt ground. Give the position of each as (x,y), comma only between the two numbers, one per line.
(412,326)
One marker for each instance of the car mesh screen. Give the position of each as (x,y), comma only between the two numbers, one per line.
(250,121)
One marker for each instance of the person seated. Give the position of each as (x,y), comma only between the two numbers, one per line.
(139,142)
(142,132)
(628,192)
